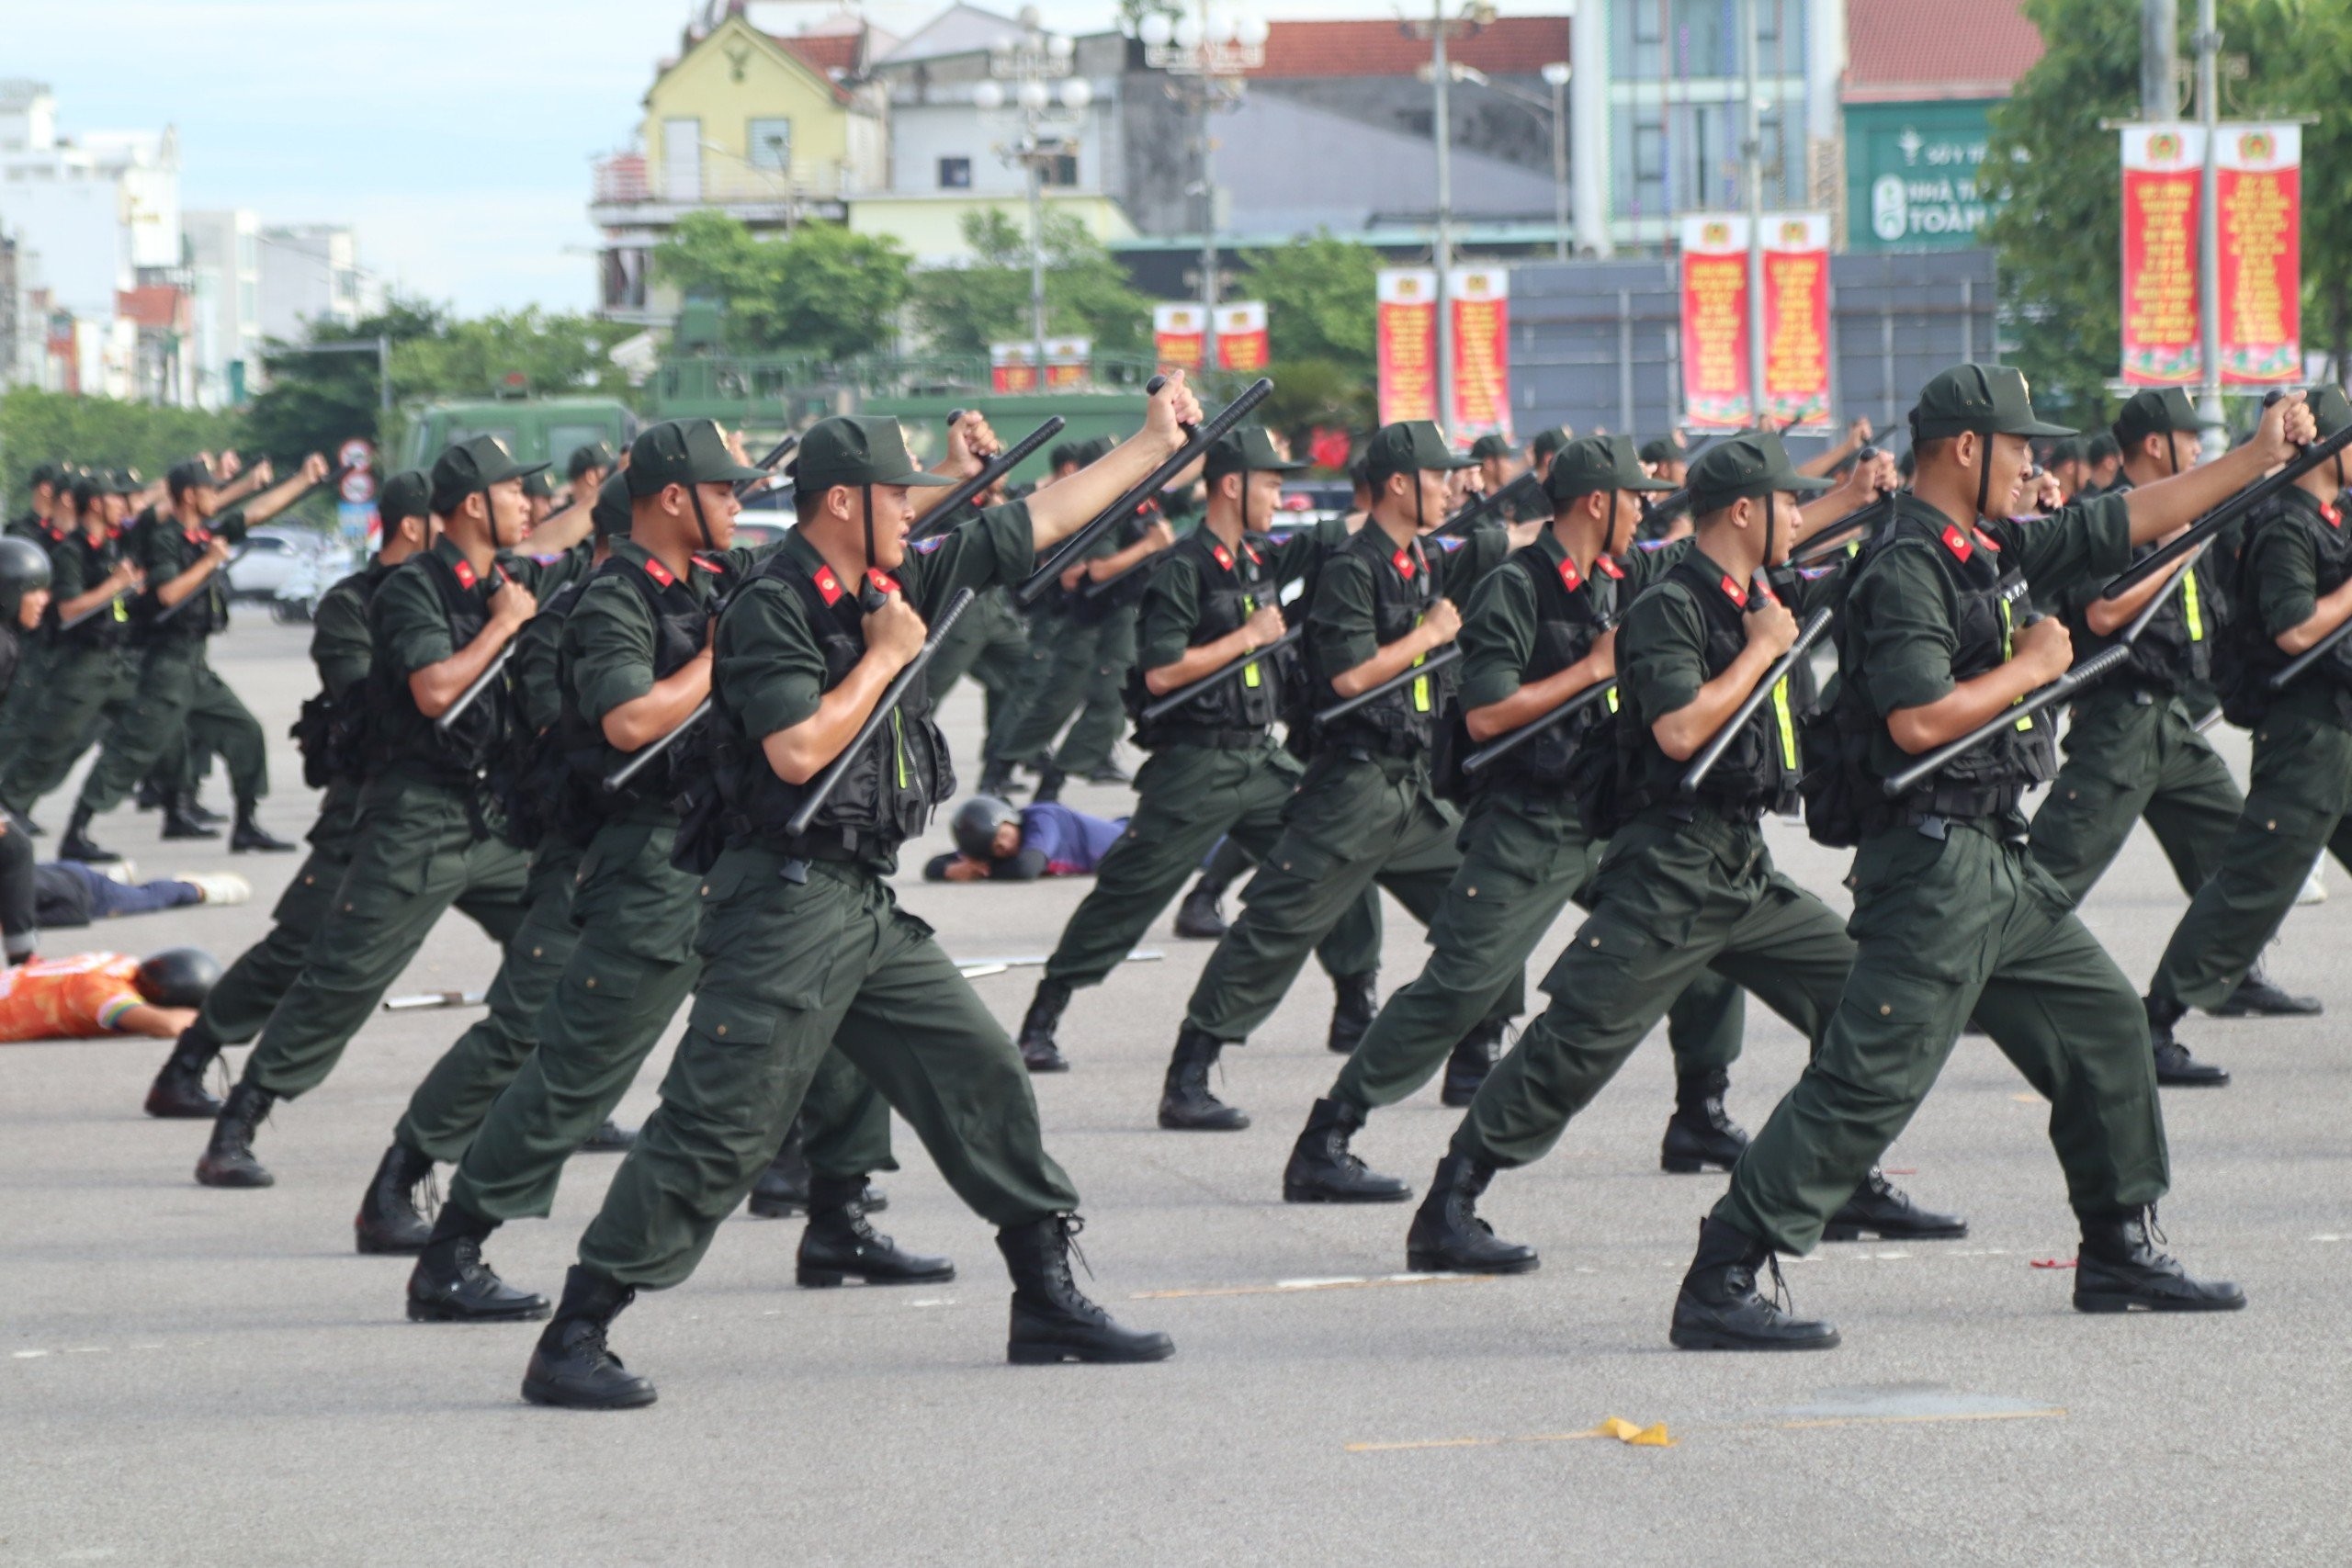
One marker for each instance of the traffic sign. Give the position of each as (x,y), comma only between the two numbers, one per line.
(358,487)
(355,453)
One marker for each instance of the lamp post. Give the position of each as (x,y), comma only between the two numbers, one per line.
(1439,30)
(1039,65)
(1214,53)
(1556,76)
(1752,176)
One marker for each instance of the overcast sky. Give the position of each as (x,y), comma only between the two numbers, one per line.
(455,134)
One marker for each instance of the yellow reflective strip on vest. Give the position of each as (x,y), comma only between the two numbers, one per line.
(1250,676)
(1787,724)
(2008,651)
(899,745)
(1422,684)
(2189,608)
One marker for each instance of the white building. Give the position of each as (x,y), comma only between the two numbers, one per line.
(224,275)
(310,272)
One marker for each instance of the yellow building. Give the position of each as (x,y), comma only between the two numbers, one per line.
(770,129)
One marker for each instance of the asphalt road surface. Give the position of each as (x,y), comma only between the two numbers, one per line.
(190,1376)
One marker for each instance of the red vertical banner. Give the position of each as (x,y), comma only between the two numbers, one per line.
(1177,337)
(1068,361)
(2162,166)
(2259,198)
(1796,319)
(1241,335)
(1714,322)
(1012,367)
(1406,343)
(1480,300)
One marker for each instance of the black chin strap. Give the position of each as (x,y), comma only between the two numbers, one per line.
(2172,452)
(1983,475)
(694,493)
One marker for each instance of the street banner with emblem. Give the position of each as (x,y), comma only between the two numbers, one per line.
(1241,335)
(2162,166)
(1177,337)
(1068,361)
(1480,300)
(1796,319)
(1715,321)
(2259,200)
(1406,343)
(1013,367)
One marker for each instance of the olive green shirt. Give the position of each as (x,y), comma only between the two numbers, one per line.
(1498,625)
(1172,604)
(2281,572)
(339,643)
(1339,624)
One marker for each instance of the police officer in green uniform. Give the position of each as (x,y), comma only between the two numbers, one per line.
(186,602)
(1366,812)
(1540,629)
(1685,883)
(635,665)
(803,945)
(429,812)
(85,682)
(2293,587)
(1952,916)
(329,733)
(1216,767)
(24,600)
(2132,748)
(47,522)
(1500,464)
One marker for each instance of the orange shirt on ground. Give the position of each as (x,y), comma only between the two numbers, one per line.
(67,998)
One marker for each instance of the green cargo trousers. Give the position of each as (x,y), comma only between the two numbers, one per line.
(20,704)
(1076,678)
(1671,900)
(790,968)
(988,643)
(179,697)
(88,692)
(2300,805)
(2126,760)
(417,854)
(457,1091)
(239,1006)
(633,969)
(1186,796)
(1523,861)
(1944,929)
(1353,824)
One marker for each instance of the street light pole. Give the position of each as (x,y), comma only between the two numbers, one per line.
(2214,431)
(1441,79)
(1036,253)
(1556,73)
(1753,178)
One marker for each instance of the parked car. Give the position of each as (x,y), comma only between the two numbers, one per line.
(266,560)
(312,573)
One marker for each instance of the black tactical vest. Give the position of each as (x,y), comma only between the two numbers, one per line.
(1403,722)
(1571,611)
(892,786)
(333,736)
(680,625)
(463,755)
(2253,655)
(2177,645)
(1236,712)
(110,627)
(203,613)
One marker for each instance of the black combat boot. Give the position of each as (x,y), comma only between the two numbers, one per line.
(1720,1308)
(1883,1210)
(839,1243)
(1321,1168)
(389,1223)
(1448,1237)
(609,1138)
(1185,1104)
(1108,772)
(2119,1270)
(781,1190)
(1354,1000)
(178,1091)
(452,1283)
(1052,1319)
(249,835)
(1198,919)
(2176,1068)
(77,843)
(1051,780)
(2258,997)
(228,1160)
(180,822)
(148,796)
(1038,1052)
(996,779)
(1701,1132)
(571,1366)
(1473,1057)
(193,805)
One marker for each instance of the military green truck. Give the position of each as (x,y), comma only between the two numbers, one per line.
(536,430)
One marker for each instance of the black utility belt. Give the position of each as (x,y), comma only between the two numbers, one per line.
(818,844)
(1204,736)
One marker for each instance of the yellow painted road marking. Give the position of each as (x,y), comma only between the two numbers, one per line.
(1292,1287)
(1801,1424)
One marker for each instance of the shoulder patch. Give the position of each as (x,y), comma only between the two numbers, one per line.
(924,546)
(1449,542)
(829,587)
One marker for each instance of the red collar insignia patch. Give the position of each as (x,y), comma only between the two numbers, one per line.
(829,587)
(1570,578)
(1403,561)
(2329,509)
(1255,559)
(1957,542)
(1608,568)
(1224,556)
(659,573)
(1734,592)
(1986,540)
(709,563)
(881,580)
(465,572)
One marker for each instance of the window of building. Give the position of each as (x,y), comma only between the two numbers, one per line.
(770,141)
(1062,169)
(955,173)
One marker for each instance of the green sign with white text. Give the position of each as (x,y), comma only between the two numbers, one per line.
(1913,175)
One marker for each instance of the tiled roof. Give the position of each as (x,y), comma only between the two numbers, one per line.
(1901,50)
(822,53)
(156,306)
(1516,46)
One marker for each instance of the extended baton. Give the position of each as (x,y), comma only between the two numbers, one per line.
(1504,744)
(1480,509)
(2311,656)
(451,714)
(2229,511)
(766,466)
(1200,439)
(652,749)
(2032,703)
(995,469)
(835,771)
(1434,663)
(1185,693)
(2148,612)
(1830,540)
(1807,635)
(125,592)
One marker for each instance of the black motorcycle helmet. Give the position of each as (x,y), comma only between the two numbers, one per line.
(178,977)
(23,566)
(977,821)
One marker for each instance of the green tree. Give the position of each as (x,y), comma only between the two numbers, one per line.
(961,309)
(821,290)
(314,402)
(553,353)
(39,427)
(2060,233)
(1318,295)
